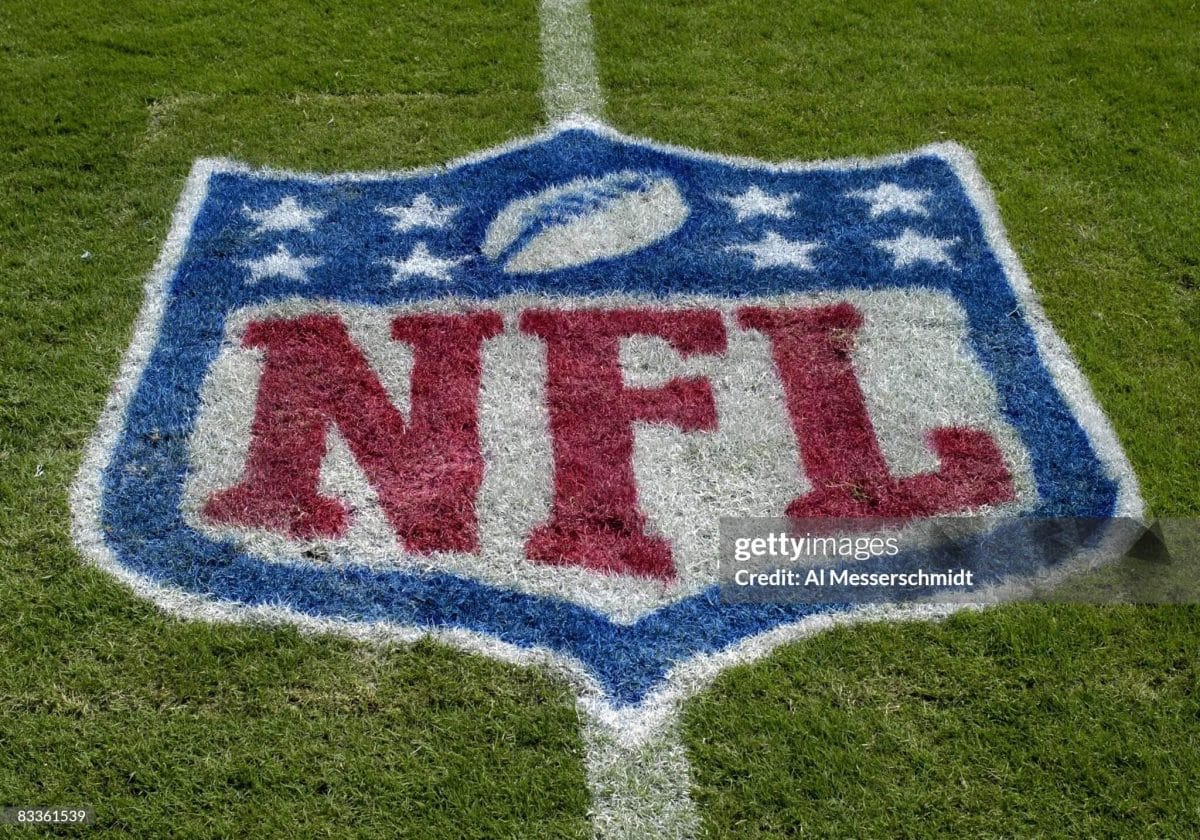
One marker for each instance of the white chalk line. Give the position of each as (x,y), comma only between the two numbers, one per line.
(570,85)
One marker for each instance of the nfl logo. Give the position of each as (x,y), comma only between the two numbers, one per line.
(507,401)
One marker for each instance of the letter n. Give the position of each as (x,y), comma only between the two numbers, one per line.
(426,473)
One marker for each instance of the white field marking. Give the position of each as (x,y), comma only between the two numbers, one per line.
(910,248)
(570,86)
(748,467)
(639,790)
(658,711)
(893,198)
(420,213)
(755,202)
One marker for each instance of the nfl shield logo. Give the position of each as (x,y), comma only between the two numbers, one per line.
(507,401)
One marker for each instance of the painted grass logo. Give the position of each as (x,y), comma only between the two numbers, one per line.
(506,401)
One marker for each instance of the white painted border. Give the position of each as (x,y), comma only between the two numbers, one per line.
(629,725)
(1054,351)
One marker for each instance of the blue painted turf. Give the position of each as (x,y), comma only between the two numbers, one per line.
(143,483)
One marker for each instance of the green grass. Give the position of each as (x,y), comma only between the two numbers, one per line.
(1017,722)
(1023,722)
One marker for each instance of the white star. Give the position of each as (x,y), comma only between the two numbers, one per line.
(281,264)
(755,202)
(286,215)
(421,213)
(773,250)
(911,247)
(893,198)
(421,262)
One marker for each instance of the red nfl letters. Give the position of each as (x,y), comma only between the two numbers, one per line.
(427,471)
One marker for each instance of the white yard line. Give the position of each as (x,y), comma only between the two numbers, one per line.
(570,86)
(641,786)
(640,789)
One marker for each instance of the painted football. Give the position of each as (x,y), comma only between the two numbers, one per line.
(585,220)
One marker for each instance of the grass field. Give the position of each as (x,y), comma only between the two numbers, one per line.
(1022,721)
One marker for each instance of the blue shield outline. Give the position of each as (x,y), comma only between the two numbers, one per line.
(127,498)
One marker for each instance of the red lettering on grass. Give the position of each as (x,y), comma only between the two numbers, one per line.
(838,447)
(595,522)
(426,472)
